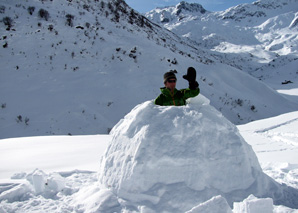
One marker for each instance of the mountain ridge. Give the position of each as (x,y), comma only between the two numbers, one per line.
(260,32)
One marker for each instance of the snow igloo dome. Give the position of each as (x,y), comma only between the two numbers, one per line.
(173,158)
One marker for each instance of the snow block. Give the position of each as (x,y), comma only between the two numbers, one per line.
(174,158)
(38,179)
(253,204)
(16,193)
(215,204)
(47,185)
(95,199)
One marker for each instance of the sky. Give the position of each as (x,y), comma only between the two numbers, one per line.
(144,6)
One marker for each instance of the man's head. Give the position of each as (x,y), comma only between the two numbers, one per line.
(170,79)
(169,75)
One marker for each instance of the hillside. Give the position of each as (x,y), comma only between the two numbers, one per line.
(77,67)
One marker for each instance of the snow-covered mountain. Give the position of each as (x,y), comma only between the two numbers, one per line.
(250,35)
(179,13)
(77,67)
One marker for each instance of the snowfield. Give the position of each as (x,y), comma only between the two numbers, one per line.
(274,136)
(55,153)
(60,173)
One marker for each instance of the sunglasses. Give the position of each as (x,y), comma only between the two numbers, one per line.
(172,81)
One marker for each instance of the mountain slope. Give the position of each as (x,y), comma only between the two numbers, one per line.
(77,67)
(251,34)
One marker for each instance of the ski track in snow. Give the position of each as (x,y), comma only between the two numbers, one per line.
(276,126)
(275,141)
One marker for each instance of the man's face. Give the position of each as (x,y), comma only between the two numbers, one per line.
(171,83)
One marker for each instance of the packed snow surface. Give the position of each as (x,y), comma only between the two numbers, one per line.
(58,187)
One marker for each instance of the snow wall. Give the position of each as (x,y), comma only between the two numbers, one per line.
(174,158)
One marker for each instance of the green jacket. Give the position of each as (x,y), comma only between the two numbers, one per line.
(166,98)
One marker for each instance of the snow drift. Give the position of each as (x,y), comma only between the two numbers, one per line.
(174,158)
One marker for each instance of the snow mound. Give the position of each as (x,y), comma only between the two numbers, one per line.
(44,184)
(175,158)
(38,184)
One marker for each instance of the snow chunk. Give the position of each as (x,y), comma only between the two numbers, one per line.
(37,179)
(38,183)
(172,158)
(16,192)
(216,204)
(44,184)
(95,199)
(253,204)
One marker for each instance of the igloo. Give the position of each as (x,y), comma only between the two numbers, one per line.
(170,159)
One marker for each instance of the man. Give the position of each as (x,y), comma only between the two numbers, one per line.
(170,96)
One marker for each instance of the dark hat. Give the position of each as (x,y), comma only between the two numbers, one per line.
(169,75)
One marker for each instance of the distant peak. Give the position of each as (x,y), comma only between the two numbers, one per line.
(191,7)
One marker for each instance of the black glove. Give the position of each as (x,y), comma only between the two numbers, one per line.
(191,78)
